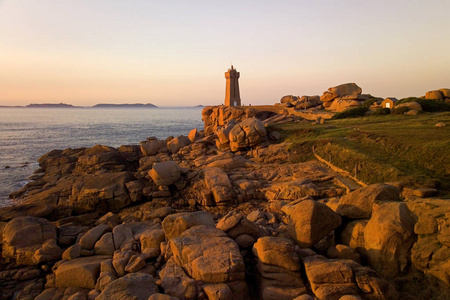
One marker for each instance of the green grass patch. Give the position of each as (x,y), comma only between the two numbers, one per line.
(381,148)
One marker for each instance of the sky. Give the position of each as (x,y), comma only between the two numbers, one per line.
(175,53)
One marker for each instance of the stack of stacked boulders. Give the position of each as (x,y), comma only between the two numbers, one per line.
(118,261)
(441,94)
(278,269)
(240,229)
(344,96)
(336,99)
(218,116)
(302,103)
(380,227)
(431,253)
(236,129)
(201,260)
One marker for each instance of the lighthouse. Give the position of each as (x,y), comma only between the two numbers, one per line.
(232,96)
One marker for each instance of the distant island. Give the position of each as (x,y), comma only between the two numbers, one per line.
(64,105)
(100,105)
(135,105)
(50,105)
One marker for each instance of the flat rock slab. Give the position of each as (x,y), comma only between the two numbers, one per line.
(133,286)
(80,272)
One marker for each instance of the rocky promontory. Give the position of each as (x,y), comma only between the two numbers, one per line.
(222,213)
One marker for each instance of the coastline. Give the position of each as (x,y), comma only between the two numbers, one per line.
(27,134)
(235,189)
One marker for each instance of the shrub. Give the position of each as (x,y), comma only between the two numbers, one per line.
(434,105)
(351,113)
(399,110)
(427,105)
(369,102)
(407,100)
(381,112)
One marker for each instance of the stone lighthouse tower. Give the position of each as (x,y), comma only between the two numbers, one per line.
(232,96)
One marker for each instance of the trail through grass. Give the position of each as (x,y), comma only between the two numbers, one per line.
(403,148)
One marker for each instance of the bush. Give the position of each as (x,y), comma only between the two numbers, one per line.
(399,110)
(407,100)
(434,105)
(352,113)
(381,112)
(369,102)
(427,105)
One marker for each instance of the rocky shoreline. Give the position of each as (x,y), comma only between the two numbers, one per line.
(223,213)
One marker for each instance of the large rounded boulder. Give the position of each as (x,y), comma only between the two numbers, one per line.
(23,236)
(165,173)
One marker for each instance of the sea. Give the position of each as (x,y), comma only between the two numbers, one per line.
(28,133)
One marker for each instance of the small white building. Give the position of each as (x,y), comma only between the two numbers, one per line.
(389,102)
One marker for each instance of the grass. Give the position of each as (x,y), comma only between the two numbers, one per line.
(410,149)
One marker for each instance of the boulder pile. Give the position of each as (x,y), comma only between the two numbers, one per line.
(302,103)
(335,99)
(283,251)
(344,96)
(441,94)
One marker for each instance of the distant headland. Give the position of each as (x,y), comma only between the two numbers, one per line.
(135,105)
(50,105)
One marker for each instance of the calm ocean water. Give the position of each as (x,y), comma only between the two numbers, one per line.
(28,133)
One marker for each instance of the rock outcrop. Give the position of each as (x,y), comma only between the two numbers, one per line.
(221,214)
(431,252)
(247,134)
(344,96)
(208,255)
(441,94)
(302,103)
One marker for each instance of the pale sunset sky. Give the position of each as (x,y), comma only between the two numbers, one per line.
(168,53)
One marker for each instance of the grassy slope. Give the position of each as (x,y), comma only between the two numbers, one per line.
(403,148)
